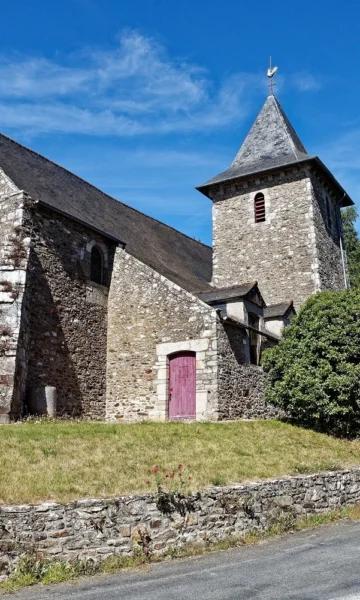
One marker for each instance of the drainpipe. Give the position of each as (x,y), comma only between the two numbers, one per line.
(343,253)
(343,264)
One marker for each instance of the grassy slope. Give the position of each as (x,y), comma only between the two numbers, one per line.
(67,460)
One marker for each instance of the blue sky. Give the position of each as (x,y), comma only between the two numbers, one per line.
(148,98)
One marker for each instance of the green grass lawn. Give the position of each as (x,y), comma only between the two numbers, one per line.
(67,460)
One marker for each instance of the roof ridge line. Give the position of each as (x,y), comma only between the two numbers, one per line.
(292,144)
(49,160)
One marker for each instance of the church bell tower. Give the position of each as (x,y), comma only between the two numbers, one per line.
(276,215)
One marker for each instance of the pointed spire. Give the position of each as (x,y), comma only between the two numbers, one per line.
(271,138)
(271,142)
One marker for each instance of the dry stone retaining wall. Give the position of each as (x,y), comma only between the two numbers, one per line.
(94,529)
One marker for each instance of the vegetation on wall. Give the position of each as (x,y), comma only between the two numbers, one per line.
(352,245)
(314,372)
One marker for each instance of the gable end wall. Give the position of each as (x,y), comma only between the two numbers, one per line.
(148,317)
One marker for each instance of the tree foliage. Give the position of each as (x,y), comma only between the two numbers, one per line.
(352,245)
(314,371)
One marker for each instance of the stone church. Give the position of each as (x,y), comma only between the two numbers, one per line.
(107,313)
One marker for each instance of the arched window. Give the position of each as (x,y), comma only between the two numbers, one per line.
(259,208)
(97,266)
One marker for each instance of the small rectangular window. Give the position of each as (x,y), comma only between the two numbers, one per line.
(259,208)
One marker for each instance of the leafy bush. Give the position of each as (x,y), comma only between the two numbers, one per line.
(314,372)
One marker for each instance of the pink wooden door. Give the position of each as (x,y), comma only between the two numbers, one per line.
(182,385)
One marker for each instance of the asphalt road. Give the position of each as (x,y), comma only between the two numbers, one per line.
(314,565)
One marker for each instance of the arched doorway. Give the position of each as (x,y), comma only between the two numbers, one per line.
(182,386)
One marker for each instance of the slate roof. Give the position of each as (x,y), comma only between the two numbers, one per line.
(272,142)
(278,310)
(216,295)
(173,254)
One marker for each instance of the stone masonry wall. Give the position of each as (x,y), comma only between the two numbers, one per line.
(95,529)
(14,248)
(67,315)
(327,223)
(278,253)
(147,312)
(240,384)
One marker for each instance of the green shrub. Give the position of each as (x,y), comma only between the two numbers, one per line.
(314,372)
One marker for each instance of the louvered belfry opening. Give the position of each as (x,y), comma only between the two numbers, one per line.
(259,208)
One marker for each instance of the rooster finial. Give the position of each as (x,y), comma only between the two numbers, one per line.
(270,74)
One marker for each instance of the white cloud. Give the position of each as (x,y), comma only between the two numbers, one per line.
(38,78)
(66,118)
(305,82)
(132,89)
